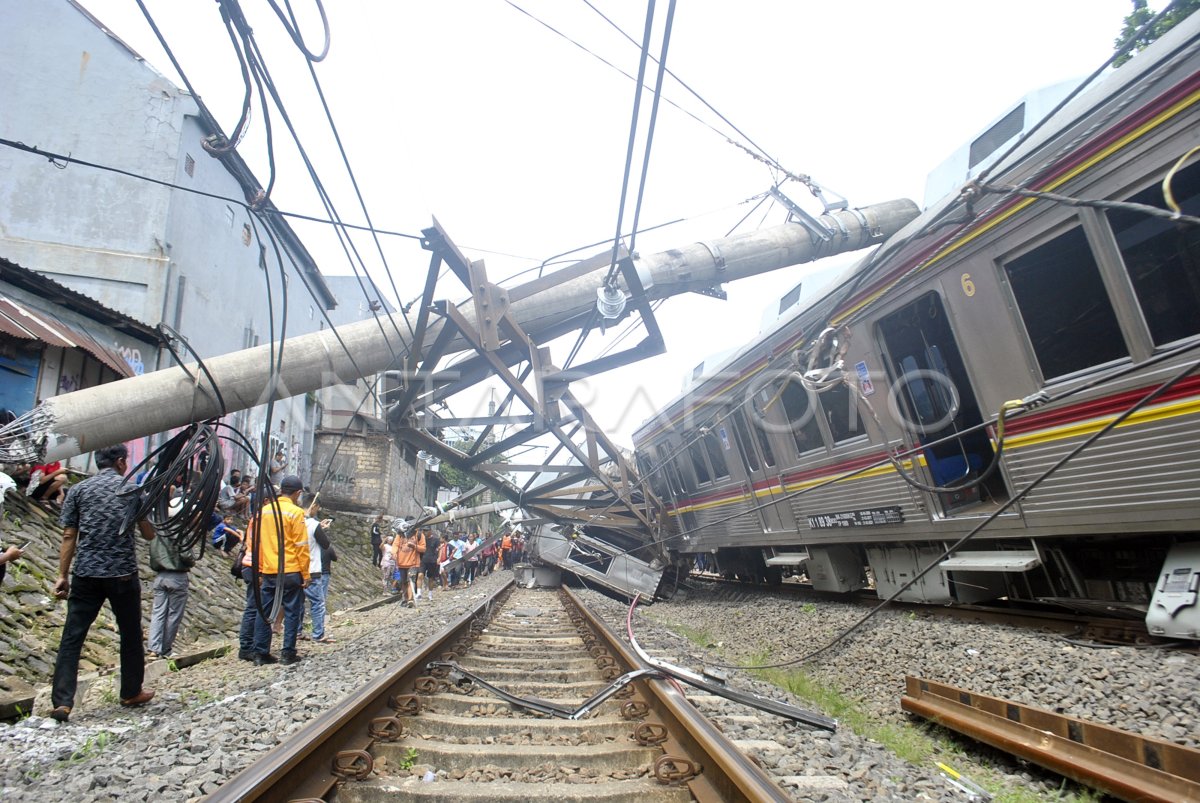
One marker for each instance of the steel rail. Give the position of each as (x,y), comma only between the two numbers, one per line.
(1117,762)
(728,774)
(301,767)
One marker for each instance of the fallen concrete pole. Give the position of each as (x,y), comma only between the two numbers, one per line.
(90,419)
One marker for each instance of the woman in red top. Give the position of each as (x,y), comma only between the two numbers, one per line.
(46,483)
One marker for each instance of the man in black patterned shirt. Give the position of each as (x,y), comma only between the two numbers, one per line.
(97,540)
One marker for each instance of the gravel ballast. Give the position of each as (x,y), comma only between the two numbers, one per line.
(209,721)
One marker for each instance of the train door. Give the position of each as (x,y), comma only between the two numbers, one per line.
(936,402)
(762,474)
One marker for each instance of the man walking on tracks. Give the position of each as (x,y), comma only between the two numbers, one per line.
(100,545)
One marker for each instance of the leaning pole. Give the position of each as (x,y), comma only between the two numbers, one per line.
(90,419)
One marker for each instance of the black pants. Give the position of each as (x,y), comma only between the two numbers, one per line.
(124,595)
(377,554)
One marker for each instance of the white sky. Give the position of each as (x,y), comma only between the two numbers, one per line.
(515,139)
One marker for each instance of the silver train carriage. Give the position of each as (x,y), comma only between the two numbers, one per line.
(859,437)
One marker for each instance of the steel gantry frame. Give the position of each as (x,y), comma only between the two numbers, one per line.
(602,489)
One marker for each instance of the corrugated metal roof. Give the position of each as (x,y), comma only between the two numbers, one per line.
(22,322)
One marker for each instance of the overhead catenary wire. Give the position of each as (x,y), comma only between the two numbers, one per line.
(250,52)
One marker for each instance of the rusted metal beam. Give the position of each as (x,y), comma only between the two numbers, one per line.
(1120,763)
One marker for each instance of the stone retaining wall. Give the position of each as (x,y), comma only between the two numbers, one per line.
(31,618)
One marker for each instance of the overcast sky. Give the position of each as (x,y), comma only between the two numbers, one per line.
(515,138)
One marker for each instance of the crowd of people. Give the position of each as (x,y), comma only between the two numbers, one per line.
(281,551)
(416,562)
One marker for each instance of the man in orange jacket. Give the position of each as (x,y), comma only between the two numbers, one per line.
(292,561)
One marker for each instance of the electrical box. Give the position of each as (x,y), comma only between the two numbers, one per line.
(835,568)
(894,566)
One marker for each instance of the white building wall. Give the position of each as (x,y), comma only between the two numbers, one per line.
(67,87)
(151,252)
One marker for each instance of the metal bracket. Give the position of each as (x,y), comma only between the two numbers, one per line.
(713,292)
(815,227)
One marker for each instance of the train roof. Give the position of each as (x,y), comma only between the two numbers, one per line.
(1110,97)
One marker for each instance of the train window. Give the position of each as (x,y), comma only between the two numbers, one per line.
(1065,307)
(1163,259)
(696,452)
(716,457)
(841,412)
(743,436)
(797,403)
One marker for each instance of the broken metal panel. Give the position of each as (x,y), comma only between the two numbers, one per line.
(597,562)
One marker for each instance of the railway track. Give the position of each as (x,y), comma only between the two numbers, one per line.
(1127,765)
(526,697)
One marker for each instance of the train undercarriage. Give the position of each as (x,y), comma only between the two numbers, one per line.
(1155,578)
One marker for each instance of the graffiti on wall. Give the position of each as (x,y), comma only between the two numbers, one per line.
(132,358)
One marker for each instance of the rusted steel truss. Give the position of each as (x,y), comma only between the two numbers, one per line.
(602,489)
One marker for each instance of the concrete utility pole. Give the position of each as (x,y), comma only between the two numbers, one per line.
(86,420)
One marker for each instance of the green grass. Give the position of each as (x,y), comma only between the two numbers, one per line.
(920,744)
(93,747)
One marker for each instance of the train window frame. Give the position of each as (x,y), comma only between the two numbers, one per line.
(812,424)
(1150,192)
(741,429)
(853,435)
(1069,224)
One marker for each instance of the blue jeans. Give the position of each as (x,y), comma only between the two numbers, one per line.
(293,607)
(318,587)
(246,631)
(124,595)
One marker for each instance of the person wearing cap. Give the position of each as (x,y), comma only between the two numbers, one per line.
(283,572)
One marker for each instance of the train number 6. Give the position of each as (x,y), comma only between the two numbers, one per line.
(968,286)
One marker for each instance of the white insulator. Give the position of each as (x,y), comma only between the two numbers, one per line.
(610,301)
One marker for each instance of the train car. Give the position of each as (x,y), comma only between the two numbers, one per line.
(860,437)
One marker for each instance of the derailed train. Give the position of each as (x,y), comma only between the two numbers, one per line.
(861,435)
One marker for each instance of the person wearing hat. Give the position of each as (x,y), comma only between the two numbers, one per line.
(282,571)
(170,589)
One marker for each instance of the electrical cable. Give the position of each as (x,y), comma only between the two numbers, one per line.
(253,55)
(293,29)
(633,127)
(662,66)
(66,159)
